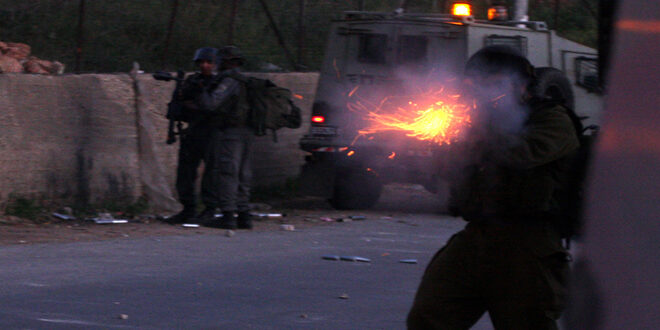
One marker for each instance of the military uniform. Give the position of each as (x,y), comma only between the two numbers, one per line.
(194,147)
(231,146)
(509,259)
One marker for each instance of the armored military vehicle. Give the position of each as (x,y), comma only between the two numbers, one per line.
(380,54)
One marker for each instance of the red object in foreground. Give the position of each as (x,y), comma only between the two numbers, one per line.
(318,119)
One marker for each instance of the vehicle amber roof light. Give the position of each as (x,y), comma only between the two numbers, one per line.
(498,13)
(318,119)
(461,9)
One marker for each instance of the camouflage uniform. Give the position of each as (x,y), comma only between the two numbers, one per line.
(509,259)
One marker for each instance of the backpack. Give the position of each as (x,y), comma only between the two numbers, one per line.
(571,196)
(271,107)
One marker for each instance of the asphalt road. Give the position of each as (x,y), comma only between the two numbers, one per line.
(253,280)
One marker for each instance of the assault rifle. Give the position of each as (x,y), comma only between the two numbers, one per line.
(174,108)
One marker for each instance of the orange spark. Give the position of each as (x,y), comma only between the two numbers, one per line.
(334,64)
(350,153)
(391,156)
(298,96)
(433,116)
(350,94)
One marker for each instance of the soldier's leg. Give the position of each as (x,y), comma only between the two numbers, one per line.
(209,189)
(245,172)
(226,169)
(189,160)
(529,286)
(449,295)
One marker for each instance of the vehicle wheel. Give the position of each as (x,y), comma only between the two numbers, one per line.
(355,190)
(552,83)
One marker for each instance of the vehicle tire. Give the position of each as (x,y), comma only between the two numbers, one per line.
(355,190)
(551,82)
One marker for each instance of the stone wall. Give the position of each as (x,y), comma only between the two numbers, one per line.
(75,138)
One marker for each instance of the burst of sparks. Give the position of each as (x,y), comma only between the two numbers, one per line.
(434,117)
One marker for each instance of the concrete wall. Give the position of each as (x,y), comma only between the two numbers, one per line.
(75,138)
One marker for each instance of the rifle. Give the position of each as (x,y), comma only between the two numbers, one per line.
(174,108)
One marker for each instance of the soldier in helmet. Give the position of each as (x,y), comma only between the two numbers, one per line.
(508,260)
(231,144)
(194,143)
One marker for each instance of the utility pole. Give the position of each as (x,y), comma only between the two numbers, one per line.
(301,32)
(520,11)
(232,22)
(81,34)
(170,28)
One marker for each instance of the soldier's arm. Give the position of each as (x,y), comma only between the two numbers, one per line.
(549,136)
(213,100)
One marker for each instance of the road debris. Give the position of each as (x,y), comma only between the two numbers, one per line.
(63,216)
(385,254)
(357,217)
(344,220)
(287,227)
(330,257)
(190,225)
(123,316)
(268,215)
(230,233)
(107,221)
(343,296)
(355,258)
(408,261)
(326,219)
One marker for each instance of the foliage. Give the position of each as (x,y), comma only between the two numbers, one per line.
(23,208)
(116,33)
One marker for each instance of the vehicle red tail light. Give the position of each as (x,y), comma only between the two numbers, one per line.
(318,119)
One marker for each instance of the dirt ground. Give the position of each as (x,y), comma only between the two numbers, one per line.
(301,212)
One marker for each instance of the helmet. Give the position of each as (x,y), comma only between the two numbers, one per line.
(228,53)
(499,59)
(205,53)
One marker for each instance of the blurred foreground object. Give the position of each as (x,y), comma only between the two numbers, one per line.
(616,281)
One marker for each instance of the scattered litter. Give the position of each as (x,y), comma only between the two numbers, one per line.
(218,215)
(287,227)
(268,215)
(310,219)
(354,258)
(343,296)
(357,217)
(229,233)
(408,261)
(385,254)
(64,216)
(344,220)
(107,221)
(303,316)
(326,219)
(190,225)
(123,316)
(22,242)
(386,218)
(330,257)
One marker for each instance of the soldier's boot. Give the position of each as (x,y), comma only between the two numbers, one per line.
(244,220)
(182,217)
(228,221)
(206,216)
